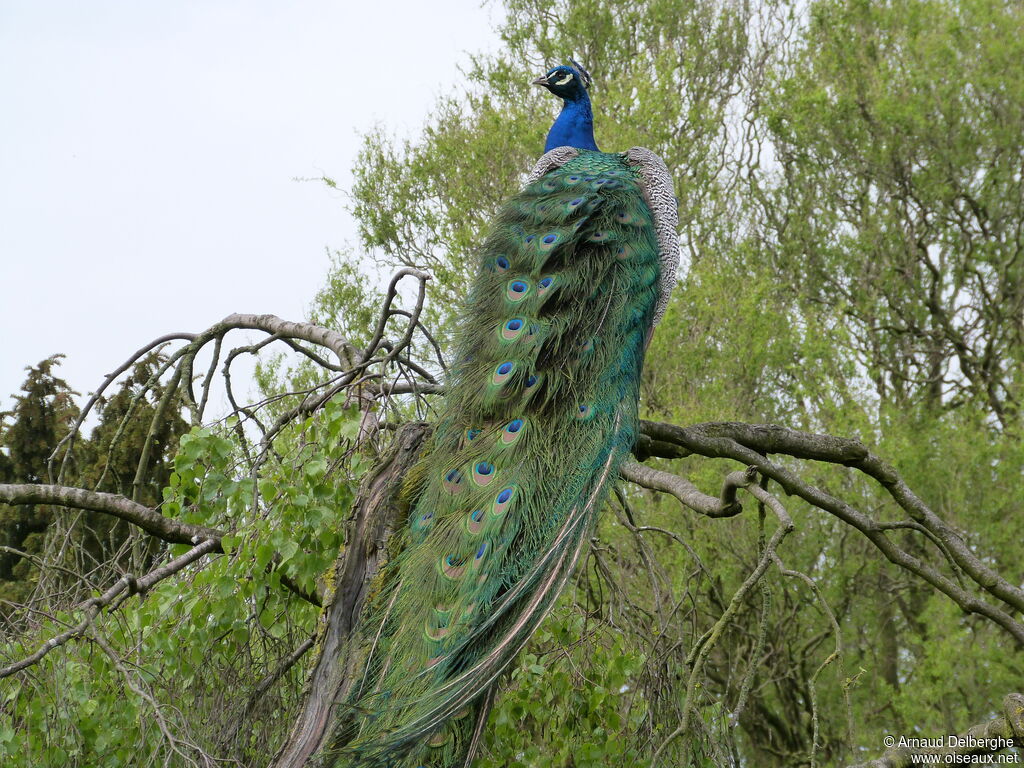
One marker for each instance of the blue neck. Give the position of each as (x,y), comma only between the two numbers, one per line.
(574,126)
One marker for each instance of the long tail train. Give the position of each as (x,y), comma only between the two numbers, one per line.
(540,411)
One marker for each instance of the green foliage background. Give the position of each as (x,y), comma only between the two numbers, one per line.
(850,196)
(851,204)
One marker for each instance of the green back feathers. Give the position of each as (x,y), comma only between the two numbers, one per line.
(540,410)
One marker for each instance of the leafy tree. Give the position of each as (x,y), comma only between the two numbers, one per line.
(849,191)
(848,175)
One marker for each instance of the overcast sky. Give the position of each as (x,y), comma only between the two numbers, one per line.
(148,152)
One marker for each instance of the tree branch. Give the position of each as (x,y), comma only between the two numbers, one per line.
(685,491)
(126,583)
(152,522)
(748,444)
(149,520)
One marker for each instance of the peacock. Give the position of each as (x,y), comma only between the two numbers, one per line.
(540,410)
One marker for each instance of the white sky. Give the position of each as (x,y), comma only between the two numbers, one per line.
(148,152)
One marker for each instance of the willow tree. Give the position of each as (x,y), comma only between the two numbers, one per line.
(766,589)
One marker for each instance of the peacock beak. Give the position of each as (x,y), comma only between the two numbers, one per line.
(542,81)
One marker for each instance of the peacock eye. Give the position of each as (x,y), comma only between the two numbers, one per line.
(567,77)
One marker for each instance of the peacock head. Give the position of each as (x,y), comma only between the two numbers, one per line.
(567,82)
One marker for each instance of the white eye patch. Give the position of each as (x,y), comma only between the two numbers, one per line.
(564,80)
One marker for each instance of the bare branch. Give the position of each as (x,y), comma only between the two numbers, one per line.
(315,334)
(748,443)
(769,438)
(152,522)
(94,398)
(262,687)
(702,648)
(685,491)
(836,655)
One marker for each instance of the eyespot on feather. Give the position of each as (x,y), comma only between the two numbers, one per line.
(440,738)
(584,412)
(549,241)
(475,521)
(483,474)
(503,373)
(451,567)
(512,432)
(435,633)
(452,481)
(517,290)
(479,556)
(503,500)
(512,329)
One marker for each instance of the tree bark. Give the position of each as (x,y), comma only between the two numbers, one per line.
(376,513)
